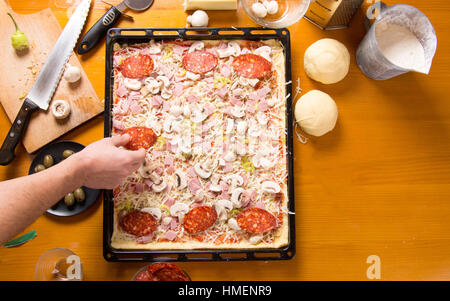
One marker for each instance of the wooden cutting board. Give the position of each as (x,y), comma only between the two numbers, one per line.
(18,72)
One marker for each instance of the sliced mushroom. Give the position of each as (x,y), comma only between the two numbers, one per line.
(254,129)
(232,223)
(178,208)
(202,171)
(155,178)
(166,93)
(241,127)
(266,163)
(236,197)
(132,84)
(270,187)
(153,85)
(164,80)
(255,239)
(265,52)
(198,116)
(154,47)
(222,207)
(180,180)
(230,156)
(229,125)
(234,181)
(146,169)
(238,112)
(168,125)
(166,221)
(192,76)
(154,125)
(262,118)
(215,187)
(197,45)
(159,187)
(156,212)
(233,49)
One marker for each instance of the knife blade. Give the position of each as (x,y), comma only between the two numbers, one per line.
(45,85)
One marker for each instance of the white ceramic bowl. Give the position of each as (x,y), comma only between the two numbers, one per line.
(289,12)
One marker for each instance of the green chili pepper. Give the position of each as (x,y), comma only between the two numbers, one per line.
(19,40)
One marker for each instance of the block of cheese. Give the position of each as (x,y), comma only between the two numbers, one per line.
(210,4)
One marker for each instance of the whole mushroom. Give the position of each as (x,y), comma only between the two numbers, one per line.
(198,19)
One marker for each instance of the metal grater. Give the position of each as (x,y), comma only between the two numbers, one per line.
(332,14)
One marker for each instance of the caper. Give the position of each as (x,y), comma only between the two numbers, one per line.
(69,199)
(67,153)
(48,161)
(79,195)
(39,168)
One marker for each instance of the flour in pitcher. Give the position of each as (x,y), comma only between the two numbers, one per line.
(400,46)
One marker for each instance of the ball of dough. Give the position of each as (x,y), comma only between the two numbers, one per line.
(327,61)
(316,113)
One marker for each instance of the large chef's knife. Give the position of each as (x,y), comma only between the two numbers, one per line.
(45,85)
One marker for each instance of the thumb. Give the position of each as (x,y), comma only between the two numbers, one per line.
(120,140)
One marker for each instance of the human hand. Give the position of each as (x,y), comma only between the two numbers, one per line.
(105,165)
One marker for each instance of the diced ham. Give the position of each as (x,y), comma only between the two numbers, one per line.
(170,235)
(134,95)
(157,101)
(156,153)
(174,223)
(121,91)
(228,167)
(168,188)
(263,106)
(222,92)
(169,202)
(159,170)
(135,108)
(225,70)
(192,98)
(170,169)
(260,205)
(178,89)
(139,188)
(148,182)
(235,101)
(250,106)
(244,179)
(145,239)
(191,172)
(209,108)
(168,161)
(262,93)
(194,185)
(118,125)
(166,106)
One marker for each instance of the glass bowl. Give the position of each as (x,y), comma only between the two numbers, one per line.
(54,264)
(289,12)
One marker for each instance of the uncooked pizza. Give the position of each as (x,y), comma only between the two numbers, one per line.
(212,118)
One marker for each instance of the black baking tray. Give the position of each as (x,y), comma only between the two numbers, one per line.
(132,36)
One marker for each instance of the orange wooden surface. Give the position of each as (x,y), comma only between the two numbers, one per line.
(379,184)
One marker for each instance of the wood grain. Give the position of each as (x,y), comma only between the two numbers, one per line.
(19,71)
(379,184)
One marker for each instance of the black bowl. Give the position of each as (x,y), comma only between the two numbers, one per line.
(56,150)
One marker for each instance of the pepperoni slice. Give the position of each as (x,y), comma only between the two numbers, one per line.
(252,65)
(137,66)
(199,219)
(139,223)
(164,271)
(199,61)
(141,137)
(144,276)
(256,220)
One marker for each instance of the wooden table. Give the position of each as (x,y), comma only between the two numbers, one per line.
(379,184)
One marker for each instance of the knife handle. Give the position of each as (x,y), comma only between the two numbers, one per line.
(16,132)
(99,29)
